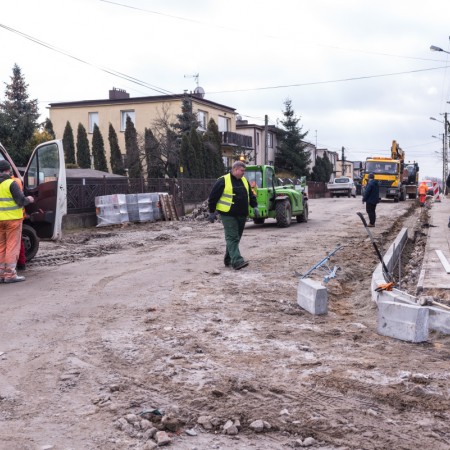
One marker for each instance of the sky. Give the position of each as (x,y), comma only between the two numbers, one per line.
(359,73)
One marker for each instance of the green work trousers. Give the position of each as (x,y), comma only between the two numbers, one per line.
(233,228)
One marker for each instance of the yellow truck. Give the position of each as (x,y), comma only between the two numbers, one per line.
(395,179)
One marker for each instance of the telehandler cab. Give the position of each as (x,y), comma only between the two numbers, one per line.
(274,201)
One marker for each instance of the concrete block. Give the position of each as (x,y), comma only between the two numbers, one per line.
(312,296)
(402,321)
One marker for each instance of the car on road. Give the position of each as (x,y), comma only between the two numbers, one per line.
(344,186)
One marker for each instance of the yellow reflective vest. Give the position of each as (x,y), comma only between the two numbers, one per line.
(225,202)
(9,209)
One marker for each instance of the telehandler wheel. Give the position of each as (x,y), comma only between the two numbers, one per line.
(31,241)
(303,217)
(283,213)
(259,220)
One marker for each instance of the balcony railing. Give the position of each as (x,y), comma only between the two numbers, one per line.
(236,140)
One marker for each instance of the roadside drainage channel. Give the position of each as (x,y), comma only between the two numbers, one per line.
(400,315)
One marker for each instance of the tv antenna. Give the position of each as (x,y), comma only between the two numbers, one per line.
(196,75)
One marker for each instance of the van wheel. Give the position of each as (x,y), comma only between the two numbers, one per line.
(283,213)
(30,241)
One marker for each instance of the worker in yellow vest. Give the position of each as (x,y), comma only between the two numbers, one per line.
(22,261)
(231,196)
(12,201)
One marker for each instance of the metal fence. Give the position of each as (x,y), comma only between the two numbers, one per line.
(81,192)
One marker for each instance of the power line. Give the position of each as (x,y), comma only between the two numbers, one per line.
(243,30)
(103,69)
(312,83)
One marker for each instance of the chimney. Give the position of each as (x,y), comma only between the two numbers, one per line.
(118,94)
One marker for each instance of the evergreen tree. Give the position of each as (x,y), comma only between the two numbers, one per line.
(187,119)
(291,155)
(18,118)
(184,156)
(116,159)
(212,141)
(83,151)
(69,144)
(328,165)
(155,164)
(48,127)
(132,148)
(198,151)
(318,171)
(98,150)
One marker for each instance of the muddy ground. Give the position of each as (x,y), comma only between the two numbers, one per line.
(124,331)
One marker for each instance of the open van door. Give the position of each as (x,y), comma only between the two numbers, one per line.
(45,180)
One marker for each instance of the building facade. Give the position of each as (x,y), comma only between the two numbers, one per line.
(145,112)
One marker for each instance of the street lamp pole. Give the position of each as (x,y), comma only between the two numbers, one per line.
(444,152)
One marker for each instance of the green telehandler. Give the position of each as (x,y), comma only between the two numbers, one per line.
(274,201)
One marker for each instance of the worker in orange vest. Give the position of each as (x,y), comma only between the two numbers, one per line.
(423,189)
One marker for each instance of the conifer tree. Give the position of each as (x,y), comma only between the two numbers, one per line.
(116,159)
(198,151)
(155,164)
(98,150)
(292,155)
(69,144)
(213,144)
(48,127)
(184,156)
(132,148)
(83,150)
(187,119)
(18,118)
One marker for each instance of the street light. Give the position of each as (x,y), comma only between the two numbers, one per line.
(433,48)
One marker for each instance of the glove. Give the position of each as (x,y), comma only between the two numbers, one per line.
(256,212)
(212,217)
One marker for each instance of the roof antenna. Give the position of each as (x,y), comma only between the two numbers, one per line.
(196,75)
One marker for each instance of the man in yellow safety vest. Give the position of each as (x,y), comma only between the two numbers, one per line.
(231,196)
(12,201)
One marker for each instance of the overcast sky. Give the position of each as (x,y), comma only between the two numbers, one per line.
(359,73)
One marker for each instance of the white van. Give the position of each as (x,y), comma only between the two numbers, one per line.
(45,180)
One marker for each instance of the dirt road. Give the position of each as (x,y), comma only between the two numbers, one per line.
(120,332)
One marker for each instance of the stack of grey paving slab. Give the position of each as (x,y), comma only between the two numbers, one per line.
(121,208)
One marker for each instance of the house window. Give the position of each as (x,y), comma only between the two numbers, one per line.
(93,120)
(202,117)
(123,118)
(269,140)
(257,138)
(224,124)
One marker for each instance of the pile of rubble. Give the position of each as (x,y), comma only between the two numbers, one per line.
(200,212)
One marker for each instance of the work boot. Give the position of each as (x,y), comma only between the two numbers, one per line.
(14,279)
(21,266)
(370,225)
(241,265)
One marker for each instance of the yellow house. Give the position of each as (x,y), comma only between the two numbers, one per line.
(144,112)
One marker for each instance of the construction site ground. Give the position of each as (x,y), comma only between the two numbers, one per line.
(122,330)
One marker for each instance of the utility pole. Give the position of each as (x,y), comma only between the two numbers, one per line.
(343,161)
(445,156)
(266,138)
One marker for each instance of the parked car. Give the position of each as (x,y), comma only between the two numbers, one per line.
(429,183)
(342,186)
